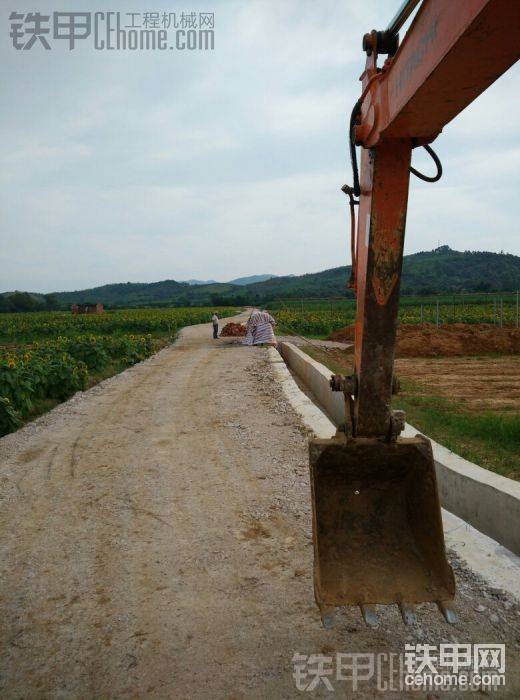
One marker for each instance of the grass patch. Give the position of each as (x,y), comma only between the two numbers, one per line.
(488,438)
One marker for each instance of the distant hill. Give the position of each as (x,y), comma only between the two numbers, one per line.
(163,293)
(438,271)
(444,269)
(199,281)
(329,283)
(126,293)
(243,281)
(240,281)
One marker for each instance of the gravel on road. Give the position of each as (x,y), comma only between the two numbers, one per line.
(156,542)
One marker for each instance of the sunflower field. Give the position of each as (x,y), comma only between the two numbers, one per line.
(46,357)
(19,327)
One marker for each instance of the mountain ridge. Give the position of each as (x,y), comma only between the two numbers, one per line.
(441,270)
(252,279)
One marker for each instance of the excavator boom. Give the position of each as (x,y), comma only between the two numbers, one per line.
(377,525)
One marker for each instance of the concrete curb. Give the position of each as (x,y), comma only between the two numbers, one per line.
(313,418)
(488,501)
(316,378)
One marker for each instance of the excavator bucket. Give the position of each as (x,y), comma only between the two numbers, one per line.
(377,527)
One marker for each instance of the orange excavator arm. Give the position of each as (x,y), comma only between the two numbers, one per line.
(377,527)
(452,52)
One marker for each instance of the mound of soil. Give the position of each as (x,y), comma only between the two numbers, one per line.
(448,340)
(233,329)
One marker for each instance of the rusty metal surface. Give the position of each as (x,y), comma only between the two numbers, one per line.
(377,526)
(384,196)
(452,52)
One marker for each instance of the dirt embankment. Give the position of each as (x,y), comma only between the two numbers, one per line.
(448,340)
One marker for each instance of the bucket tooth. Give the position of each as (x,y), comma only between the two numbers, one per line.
(369,615)
(408,613)
(328,615)
(448,611)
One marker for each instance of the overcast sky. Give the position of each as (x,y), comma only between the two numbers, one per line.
(140,166)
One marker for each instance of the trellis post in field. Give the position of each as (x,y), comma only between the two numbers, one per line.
(437,317)
(517,310)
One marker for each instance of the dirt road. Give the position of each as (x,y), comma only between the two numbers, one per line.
(156,542)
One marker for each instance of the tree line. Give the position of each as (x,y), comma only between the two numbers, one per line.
(23,301)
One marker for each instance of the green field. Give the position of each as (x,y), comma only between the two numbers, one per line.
(46,357)
(319,317)
(489,438)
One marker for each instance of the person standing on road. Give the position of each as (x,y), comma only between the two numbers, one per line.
(248,340)
(259,330)
(214,319)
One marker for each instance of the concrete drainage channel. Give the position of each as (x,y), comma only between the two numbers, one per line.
(481,510)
